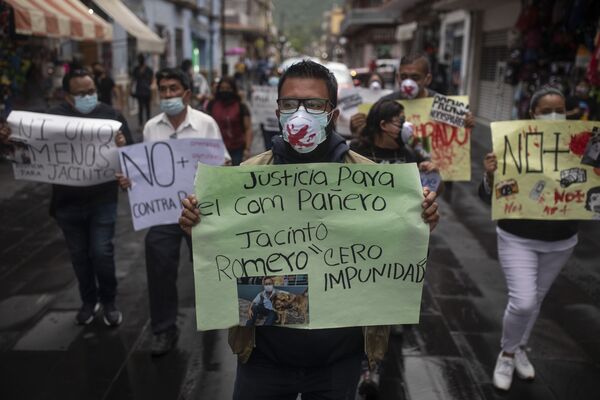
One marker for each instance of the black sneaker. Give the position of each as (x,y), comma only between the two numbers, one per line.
(112,316)
(86,314)
(164,342)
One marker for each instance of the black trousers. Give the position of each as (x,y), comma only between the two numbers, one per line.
(163,244)
(143,106)
(261,381)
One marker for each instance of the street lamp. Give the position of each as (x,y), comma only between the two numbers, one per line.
(223,60)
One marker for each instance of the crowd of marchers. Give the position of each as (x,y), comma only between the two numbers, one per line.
(275,362)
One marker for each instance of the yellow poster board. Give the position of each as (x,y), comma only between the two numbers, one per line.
(449,146)
(540,173)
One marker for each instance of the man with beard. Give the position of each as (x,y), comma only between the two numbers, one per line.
(280,363)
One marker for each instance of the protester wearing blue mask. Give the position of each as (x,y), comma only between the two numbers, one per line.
(87,214)
(85,104)
(177,121)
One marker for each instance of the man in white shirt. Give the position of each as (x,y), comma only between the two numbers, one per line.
(177,121)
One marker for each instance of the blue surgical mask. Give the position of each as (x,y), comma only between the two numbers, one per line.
(304,131)
(86,104)
(172,106)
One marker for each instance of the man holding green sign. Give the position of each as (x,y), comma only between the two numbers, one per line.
(315,202)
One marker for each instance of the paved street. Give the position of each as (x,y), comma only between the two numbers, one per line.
(449,355)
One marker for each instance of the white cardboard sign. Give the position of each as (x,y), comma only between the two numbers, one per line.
(264,104)
(162,174)
(63,150)
(449,111)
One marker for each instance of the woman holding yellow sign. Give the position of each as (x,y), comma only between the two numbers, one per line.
(532,254)
(388,139)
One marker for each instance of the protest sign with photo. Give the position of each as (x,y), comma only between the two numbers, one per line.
(449,146)
(546,170)
(162,174)
(264,104)
(292,220)
(63,150)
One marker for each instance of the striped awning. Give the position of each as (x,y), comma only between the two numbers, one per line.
(147,40)
(59,19)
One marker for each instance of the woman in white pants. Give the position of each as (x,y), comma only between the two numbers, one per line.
(531,253)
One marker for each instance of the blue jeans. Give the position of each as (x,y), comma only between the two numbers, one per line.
(260,309)
(89,233)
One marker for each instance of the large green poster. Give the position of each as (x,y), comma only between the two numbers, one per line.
(341,245)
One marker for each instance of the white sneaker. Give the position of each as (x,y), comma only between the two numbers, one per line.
(522,365)
(503,372)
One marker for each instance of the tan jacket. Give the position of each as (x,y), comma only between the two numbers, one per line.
(241,338)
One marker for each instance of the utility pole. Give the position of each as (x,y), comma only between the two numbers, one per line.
(211,40)
(224,68)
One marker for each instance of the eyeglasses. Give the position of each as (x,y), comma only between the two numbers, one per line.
(312,106)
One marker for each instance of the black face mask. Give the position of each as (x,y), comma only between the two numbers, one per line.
(226,96)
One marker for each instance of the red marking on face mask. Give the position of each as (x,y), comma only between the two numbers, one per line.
(408,90)
(295,138)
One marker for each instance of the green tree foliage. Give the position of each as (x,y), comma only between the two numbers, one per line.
(300,20)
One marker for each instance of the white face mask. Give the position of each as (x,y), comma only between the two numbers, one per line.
(409,89)
(268,288)
(551,117)
(304,131)
(375,85)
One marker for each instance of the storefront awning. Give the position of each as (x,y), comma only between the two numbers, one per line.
(59,19)
(147,41)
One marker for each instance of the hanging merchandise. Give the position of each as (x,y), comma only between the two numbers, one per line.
(593,70)
(582,59)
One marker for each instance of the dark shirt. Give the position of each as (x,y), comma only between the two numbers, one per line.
(548,231)
(306,348)
(143,80)
(230,118)
(83,196)
(302,347)
(386,156)
(105,86)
